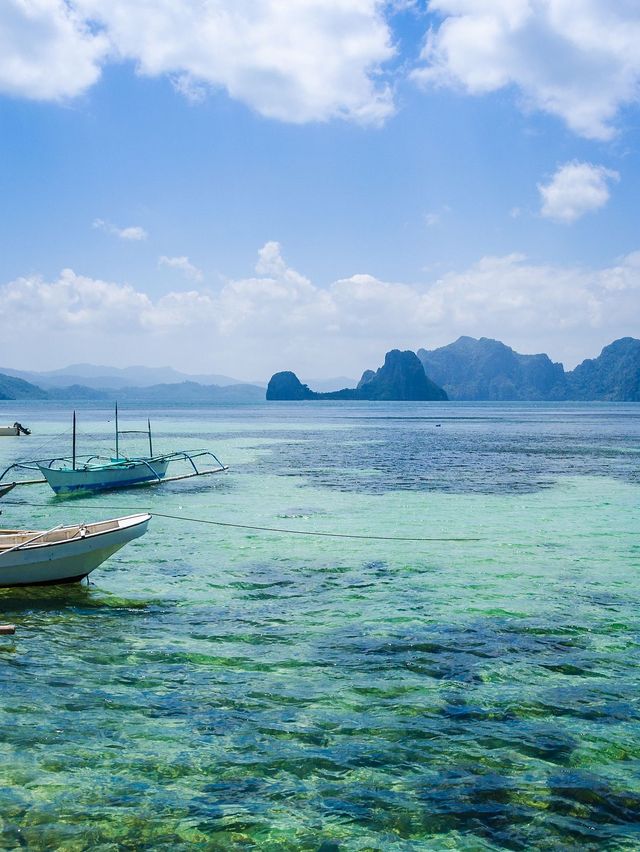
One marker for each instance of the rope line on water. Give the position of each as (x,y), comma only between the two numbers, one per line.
(305,532)
(211,522)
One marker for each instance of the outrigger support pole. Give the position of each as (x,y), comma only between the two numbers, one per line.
(157,476)
(117,433)
(189,458)
(150,444)
(217,459)
(73,444)
(193,464)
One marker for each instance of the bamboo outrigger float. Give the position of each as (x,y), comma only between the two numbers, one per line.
(81,474)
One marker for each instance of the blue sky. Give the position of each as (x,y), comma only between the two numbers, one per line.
(242,187)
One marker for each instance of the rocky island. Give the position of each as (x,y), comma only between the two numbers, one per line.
(401,377)
(614,375)
(485,369)
(488,369)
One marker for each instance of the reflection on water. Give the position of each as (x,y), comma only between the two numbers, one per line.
(223,689)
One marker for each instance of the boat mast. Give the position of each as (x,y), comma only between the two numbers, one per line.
(73,442)
(117,452)
(150,444)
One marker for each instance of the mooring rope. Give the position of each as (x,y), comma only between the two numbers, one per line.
(254,528)
(35,453)
(305,532)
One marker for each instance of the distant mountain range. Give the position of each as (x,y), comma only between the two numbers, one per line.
(175,392)
(80,377)
(94,376)
(12,388)
(468,369)
(486,369)
(190,392)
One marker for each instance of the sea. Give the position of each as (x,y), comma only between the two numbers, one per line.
(389,626)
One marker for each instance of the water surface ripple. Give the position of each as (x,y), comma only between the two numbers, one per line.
(223,689)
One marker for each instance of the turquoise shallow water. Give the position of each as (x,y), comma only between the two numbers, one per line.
(225,689)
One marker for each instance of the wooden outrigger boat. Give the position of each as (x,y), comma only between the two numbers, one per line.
(64,554)
(82,474)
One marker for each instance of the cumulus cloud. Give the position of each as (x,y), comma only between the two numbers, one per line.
(182,264)
(278,318)
(133,233)
(575,189)
(579,61)
(72,302)
(47,50)
(298,61)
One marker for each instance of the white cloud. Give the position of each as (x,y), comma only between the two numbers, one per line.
(435,217)
(575,189)
(72,302)
(183,264)
(576,60)
(47,51)
(133,233)
(297,61)
(278,319)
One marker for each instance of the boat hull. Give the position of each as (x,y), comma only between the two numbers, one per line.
(46,562)
(15,429)
(82,480)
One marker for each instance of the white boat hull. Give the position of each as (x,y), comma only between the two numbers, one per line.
(83,479)
(15,429)
(65,555)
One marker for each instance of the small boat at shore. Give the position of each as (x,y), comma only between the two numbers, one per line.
(16,429)
(86,474)
(64,554)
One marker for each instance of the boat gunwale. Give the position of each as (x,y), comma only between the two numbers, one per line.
(144,517)
(118,464)
(123,462)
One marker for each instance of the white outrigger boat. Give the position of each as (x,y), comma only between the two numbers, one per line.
(81,474)
(64,554)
